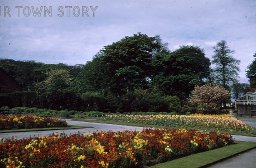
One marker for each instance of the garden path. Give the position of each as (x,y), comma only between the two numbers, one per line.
(248,120)
(244,160)
(94,127)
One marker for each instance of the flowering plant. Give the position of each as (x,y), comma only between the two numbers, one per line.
(29,121)
(108,149)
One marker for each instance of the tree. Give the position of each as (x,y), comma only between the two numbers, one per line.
(239,89)
(208,98)
(251,72)
(92,77)
(124,65)
(225,66)
(178,72)
(58,80)
(26,73)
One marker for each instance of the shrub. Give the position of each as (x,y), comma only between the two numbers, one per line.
(208,98)
(94,101)
(174,103)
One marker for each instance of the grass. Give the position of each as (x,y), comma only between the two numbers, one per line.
(208,158)
(44,129)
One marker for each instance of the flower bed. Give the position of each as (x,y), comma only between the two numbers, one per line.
(29,121)
(108,149)
(216,122)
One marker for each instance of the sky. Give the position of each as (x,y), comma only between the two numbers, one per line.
(73,31)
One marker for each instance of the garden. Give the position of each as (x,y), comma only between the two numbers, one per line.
(222,123)
(29,121)
(108,149)
(167,137)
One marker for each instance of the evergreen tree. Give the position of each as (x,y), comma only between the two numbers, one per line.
(226,66)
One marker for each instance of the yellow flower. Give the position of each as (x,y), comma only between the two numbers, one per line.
(167,136)
(103,164)
(88,134)
(168,149)
(139,143)
(81,157)
(100,149)
(193,142)
(97,146)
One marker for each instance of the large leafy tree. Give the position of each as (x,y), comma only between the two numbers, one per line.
(251,71)
(92,77)
(58,80)
(28,73)
(178,72)
(124,65)
(226,67)
(56,91)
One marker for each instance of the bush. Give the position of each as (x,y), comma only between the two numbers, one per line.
(174,103)
(17,99)
(94,101)
(146,100)
(208,98)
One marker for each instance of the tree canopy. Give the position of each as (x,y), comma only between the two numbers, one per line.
(251,71)
(136,73)
(226,67)
(124,65)
(179,71)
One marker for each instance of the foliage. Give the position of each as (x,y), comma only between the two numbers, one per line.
(147,100)
(174,103)
(57,81)
(92,77)
(29,121)
(124,65)
(226,67)
(38,112)
(251,71)
(25,98)
(28,73)
(208,98)
(94,101)
(111,82)
(108,149)
(25,73)
(239,90)
(179,71)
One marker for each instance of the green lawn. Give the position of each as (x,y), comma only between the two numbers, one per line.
(43,129)
(207,158)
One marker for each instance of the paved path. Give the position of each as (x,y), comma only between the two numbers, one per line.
(244,160)
(248,120)
(244,138)
(96,127)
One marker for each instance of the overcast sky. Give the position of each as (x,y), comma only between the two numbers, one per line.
(61,37)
